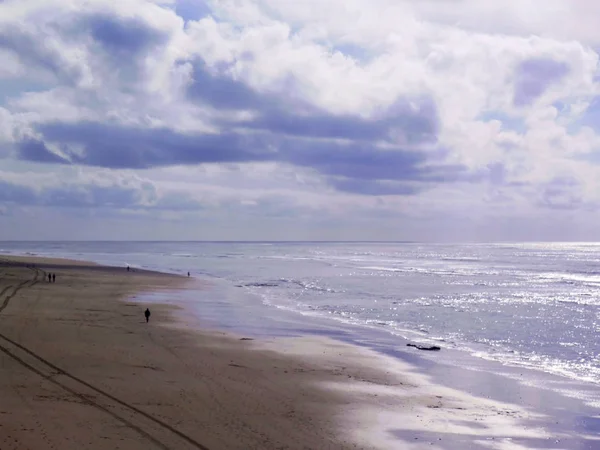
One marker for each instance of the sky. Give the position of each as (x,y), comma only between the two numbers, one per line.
(428,120)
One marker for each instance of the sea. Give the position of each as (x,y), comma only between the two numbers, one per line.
(517,306)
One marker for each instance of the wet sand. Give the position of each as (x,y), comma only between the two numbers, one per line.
(80,368)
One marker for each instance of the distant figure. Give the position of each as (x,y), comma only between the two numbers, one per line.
(147,314)
(127,268)
(53,277)
(188,274)
(49,278)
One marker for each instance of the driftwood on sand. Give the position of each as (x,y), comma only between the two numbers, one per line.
(425,347)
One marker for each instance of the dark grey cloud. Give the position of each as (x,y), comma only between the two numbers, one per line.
(35,150)
(118,147)
(353,167)
(213,86)
(123,36)
(93,195)
(561,193)
(497,173)
(70,196)
(367,162)
(14,193)
(177,201)
(415,127)
(534,76)
(121,44)
(373,187)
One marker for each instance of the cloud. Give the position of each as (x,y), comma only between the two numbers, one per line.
(192,9)
(411,110)
(121,147)
(219,90)
(265,125)
(400,123)
(34,150)
(116,146)
(518,17)
(104,190)
(414,118)
(70,196)
(387,145)
(534,77)
(563,193)
(15,193)
(39,51)
(123,37)
(373,187)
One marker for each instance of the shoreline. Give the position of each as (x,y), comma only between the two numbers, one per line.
(176,262)
(324,384)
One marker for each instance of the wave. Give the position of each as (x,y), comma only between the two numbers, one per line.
(348,318)
(590,301)
(591,280)
(282,282)
(387,269)
(434,271)
(582,370)
(465,259)
(263,284)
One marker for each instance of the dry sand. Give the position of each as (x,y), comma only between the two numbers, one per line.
(80,369)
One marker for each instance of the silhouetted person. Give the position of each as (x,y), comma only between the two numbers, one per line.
(147,314)
(53,277)
(49,278)
(188,274)
(127,268)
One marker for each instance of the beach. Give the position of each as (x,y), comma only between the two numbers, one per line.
(81,368)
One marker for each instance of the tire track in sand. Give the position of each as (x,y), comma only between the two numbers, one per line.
(17,288)
(51,372)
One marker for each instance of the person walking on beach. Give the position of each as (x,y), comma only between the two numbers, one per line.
(188,274)
(53,277)
(49,278)
(147,314)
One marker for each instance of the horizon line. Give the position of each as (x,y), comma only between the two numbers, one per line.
(232,241)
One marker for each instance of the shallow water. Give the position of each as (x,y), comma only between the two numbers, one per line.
(523,305)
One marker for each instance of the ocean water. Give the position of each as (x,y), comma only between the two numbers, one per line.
(521,305)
